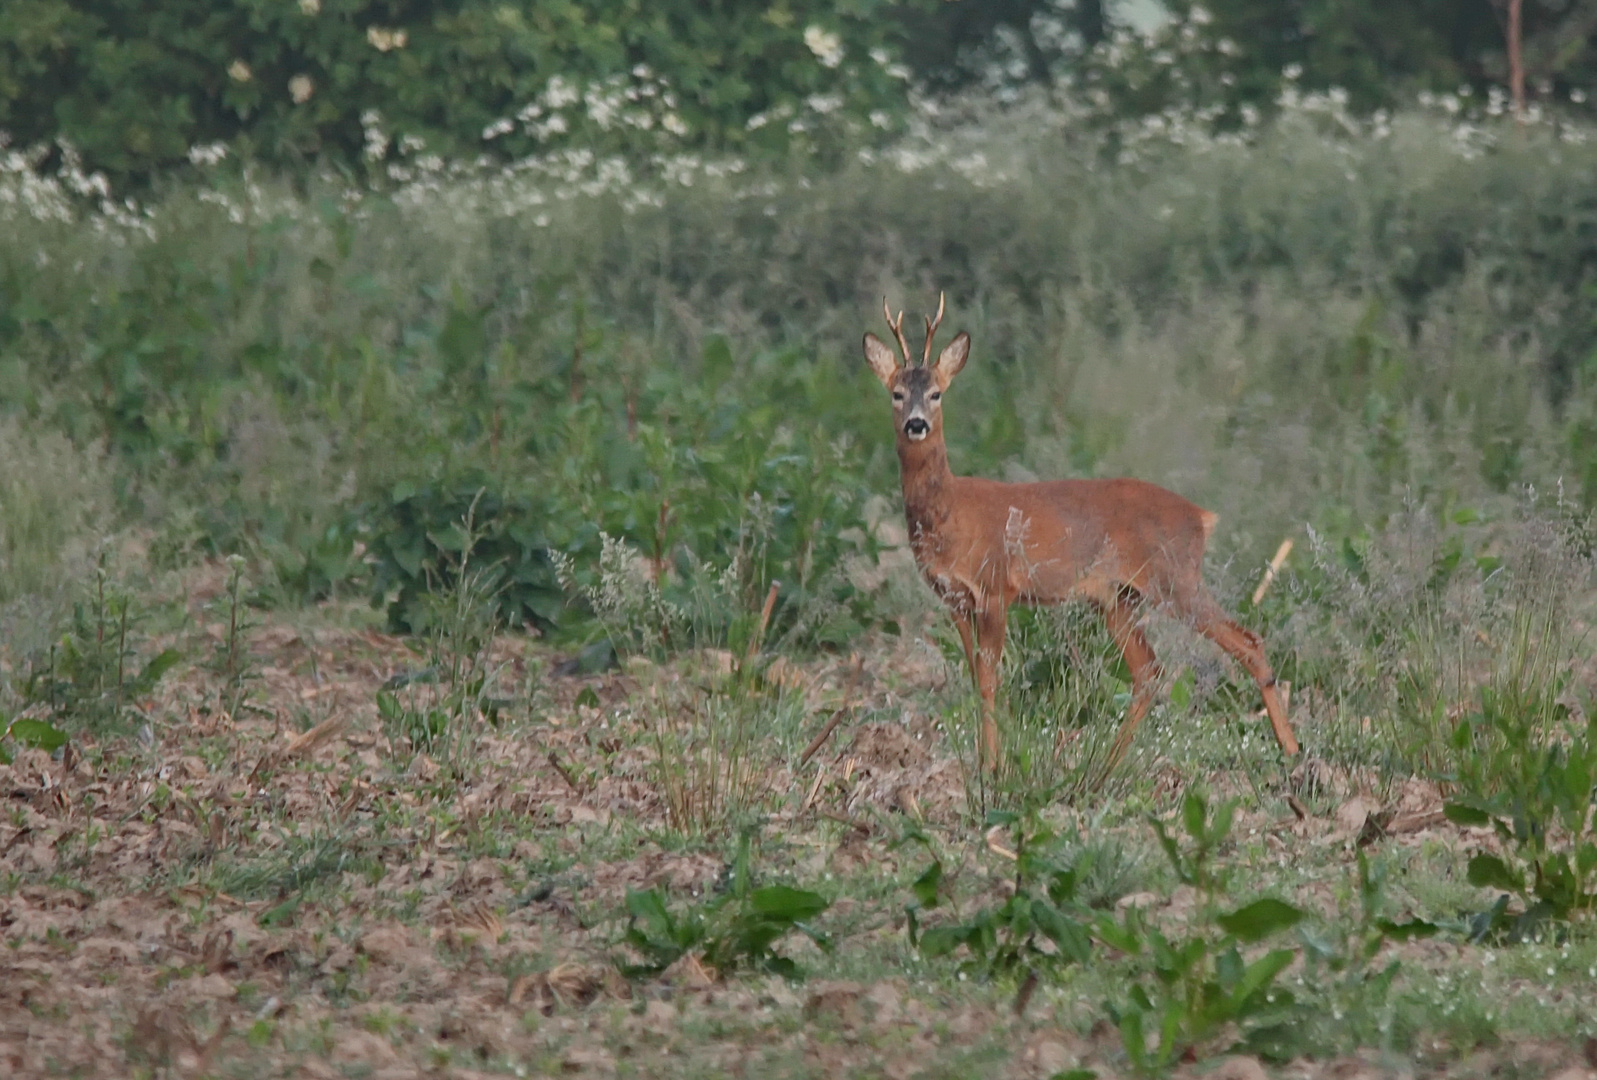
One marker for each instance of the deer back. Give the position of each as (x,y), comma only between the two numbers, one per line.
(1050,541)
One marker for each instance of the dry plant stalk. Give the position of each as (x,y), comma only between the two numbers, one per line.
(1276,562)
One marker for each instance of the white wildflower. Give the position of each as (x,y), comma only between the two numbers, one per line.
(239,71)
(825,44)
(499,127)
(208,154)
(310,7)
(385,40)
(674,124)
(559,93)
(300,88)
(824,103)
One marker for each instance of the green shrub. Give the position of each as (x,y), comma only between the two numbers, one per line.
(420,542)
(133,88)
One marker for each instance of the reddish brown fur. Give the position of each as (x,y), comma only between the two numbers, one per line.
(984,545)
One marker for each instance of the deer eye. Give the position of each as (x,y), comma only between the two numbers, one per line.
(936,395)
(898,395)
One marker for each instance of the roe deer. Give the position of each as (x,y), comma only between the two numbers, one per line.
(983,545)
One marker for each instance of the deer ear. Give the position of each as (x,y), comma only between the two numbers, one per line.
(883,361)
(951,361)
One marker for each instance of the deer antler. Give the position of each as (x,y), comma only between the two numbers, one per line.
(931,329)
(898,331)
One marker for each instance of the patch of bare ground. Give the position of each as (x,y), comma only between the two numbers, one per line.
(282,892)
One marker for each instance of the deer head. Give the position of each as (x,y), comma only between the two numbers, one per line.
(917,389)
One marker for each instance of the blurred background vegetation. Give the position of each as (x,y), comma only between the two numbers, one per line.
(133,85)
(305,280)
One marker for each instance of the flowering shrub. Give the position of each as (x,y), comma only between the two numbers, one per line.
(288,83)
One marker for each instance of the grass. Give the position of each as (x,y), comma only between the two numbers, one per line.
(623,483)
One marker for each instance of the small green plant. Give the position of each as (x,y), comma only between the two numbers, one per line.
(1037,929)
(1541,811)
(740,929)
(1525,763)
(1202,984)
(232,659)
(444,702)
(91,677)
(1348,1001)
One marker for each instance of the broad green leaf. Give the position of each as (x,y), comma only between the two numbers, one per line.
(942,940)
(159,665)
(1460,814)
(1260,919)
(1063,931)
(926,885)
(1488,871)
(1194,811)
(787,903)
(1262,972)
(280,915)
(1126,939)
(1133,1039)
(649,906)
(38,734)
(1406,931)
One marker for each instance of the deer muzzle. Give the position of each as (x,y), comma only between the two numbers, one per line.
(917,428)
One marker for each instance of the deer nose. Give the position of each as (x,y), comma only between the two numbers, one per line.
(916,428)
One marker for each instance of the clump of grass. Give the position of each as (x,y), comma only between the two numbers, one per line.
(1400,632)
(1063,692)
(715,746)
(439,709)
(56,505)
(710,721)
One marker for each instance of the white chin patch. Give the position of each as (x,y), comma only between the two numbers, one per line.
(915,436)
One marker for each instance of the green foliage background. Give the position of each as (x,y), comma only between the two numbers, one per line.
(134,85)
(320,368)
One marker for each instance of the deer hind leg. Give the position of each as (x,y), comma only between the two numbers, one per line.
(991,622)
(1121,616)
(1248,648)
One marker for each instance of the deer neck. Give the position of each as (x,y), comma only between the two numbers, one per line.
(927,479)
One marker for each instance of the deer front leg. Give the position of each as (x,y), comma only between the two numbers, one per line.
(991,621)
(960,613)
